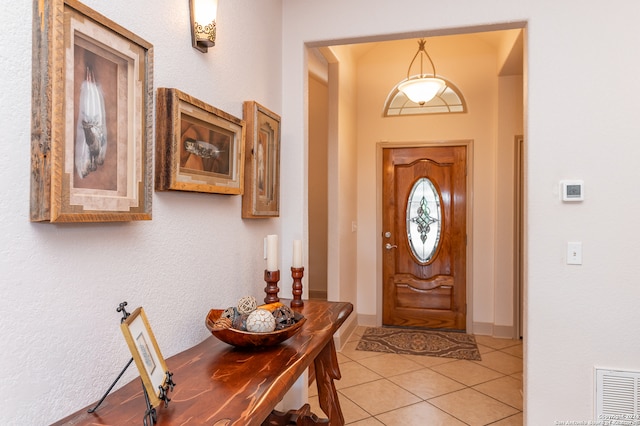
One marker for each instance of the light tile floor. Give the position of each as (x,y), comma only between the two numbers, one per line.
(404,390)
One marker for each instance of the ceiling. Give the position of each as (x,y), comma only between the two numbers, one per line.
(508,44)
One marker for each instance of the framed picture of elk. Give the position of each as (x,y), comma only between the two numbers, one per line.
(92,99)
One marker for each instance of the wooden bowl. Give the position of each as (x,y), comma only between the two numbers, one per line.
(247,339)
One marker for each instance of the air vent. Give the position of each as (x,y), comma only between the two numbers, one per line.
(617,393)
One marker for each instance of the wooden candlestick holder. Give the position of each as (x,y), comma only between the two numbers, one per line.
(271,278)
(297,274)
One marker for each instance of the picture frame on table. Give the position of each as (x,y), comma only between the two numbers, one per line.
(199,148)
(262,162)
(92,102)
(146,354)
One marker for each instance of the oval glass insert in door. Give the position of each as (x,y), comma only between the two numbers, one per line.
(424,223)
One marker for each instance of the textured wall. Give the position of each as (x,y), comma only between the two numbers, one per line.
(60,284)
(576,126)
(60,340)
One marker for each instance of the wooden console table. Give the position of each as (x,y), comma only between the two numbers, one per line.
(217,384)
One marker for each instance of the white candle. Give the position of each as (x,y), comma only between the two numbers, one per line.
(272,252)
(297,254)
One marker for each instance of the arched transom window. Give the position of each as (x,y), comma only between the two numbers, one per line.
(447,101)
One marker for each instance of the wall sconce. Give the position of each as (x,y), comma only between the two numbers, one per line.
(203,23)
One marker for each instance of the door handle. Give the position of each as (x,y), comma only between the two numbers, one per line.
(389,246)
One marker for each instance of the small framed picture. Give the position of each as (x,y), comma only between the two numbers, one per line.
(92,103)
(262,162)
(146,354)
(198,147)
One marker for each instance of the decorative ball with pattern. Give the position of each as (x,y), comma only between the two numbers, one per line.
(231,312)
(240,322)
(261,321)
(284,317)
(222,323)
(247,304)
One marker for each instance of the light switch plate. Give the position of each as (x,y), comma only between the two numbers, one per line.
(574,253)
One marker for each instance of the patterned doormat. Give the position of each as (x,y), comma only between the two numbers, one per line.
(410,341)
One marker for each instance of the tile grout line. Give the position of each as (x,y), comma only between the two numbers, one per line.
(427,400)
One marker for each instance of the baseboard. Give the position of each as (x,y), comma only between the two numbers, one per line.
(344,332)
(490,329)
(504,331)
(483,328)
(368,320)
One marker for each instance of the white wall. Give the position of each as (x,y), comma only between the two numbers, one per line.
(318,182)
(577,317)
(510,125)
(342,161)
(61,284)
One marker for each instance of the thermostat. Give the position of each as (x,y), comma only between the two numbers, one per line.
(572,190)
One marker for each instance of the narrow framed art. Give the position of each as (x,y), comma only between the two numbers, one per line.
(262,162)
(92,100)
(146,354)
(198,147)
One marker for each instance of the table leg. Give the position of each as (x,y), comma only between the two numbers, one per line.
(327,370)
(300,417)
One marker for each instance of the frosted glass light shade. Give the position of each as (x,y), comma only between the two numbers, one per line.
(422,90)
(203,23)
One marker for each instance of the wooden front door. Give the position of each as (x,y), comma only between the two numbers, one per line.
(424,237)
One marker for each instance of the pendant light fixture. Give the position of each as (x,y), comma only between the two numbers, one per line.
(423,87)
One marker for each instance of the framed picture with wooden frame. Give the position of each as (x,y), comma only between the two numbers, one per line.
(262,162)
(146,354)
(92,102)
(198,147)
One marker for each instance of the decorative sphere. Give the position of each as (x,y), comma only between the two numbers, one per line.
(284,317)
(240,322)
(230,312)
(222,323)
(261,321)
(247,304)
